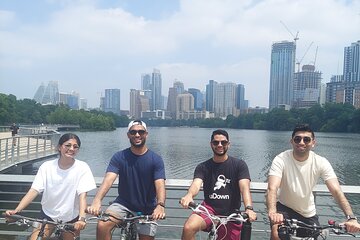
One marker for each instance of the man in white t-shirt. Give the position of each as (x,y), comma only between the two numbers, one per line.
(292,178)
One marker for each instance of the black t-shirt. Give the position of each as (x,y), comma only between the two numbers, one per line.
(221,183)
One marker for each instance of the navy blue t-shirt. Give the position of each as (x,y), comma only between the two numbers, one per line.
(221,183)
(137,174)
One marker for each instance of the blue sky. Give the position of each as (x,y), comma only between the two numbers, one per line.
(88,45)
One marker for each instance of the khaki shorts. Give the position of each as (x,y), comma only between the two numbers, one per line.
(120,211)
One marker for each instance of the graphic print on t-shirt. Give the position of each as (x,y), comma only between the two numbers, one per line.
(221,182)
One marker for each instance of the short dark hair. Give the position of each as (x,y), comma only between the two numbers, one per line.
(219,132)
(303,128)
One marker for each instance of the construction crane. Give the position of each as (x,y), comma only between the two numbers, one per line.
(315,55)
(299,62)
(296,37)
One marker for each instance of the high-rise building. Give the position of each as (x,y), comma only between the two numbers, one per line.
(139,102)
(48,95)
(174,91)
(210,95)
(70,99)
(198,98)
(240,102)
(352,74)
(282,74)
(83,103)
(184,103)
(153,82)
(352,62)
(346,88)
(307,86)
(112,101)
(334,88)
(225,97)
(156,88)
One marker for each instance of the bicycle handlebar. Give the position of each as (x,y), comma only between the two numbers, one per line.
(103,216)
(236,216)
(28,221)
(293,224)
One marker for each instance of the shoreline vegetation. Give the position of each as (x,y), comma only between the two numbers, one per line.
(331,117)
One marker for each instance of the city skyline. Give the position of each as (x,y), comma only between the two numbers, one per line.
(90,46)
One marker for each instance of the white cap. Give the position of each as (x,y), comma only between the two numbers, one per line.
(137,122)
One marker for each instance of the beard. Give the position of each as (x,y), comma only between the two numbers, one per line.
(138,144)
(217,153)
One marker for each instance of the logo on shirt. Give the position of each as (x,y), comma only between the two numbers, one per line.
(221,182)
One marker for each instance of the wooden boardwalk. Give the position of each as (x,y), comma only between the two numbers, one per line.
(28,148)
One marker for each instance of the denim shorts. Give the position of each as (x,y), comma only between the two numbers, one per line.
(120,211)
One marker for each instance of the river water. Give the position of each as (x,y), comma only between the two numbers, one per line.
(183,148)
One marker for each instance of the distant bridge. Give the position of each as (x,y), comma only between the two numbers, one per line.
(31,145)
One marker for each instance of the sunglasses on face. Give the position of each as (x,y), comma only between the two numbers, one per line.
(216,143)
(298,139)
(134,132)
(68,146)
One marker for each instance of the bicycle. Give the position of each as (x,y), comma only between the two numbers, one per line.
(289,228)
(60,227)
(219,221)
(127,225)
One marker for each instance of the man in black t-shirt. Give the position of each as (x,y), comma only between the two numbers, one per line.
(225,181)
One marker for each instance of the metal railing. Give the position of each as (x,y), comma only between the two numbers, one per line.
(22,149)
(13,188)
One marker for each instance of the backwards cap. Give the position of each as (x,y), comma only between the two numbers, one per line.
(137,122)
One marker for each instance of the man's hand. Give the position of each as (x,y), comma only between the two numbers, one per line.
(252,215)
(95,208)
(185,200)
(352,226)
(276,218)
(159,212)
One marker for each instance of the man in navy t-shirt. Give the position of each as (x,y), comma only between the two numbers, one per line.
(225,180)
(141,186)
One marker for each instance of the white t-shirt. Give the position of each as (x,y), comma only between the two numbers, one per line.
(61,188)
(298,180)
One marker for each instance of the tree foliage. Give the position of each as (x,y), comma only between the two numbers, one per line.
(332,117)
(27,111)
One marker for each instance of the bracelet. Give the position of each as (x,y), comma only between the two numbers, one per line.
(82,219)
(161,204)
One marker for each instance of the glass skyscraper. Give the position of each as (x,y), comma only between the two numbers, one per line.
(282,74)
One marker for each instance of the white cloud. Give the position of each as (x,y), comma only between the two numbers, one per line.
(224,40)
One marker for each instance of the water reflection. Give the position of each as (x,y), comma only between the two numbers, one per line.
(183,148)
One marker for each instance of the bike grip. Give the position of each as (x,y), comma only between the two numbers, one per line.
(14,216)
(192,205)
(70,228)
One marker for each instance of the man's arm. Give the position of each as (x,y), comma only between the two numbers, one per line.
(159,211)
(335,190)
(271,198)
(109,179)
(192,192)
(244,185)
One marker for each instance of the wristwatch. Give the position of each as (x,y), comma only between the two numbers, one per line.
(83,219)
(161,204)
(351,217)
(249,207)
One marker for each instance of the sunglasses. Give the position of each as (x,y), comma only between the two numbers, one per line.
(68,146)
(216,143)
(298,139)
(134,132)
